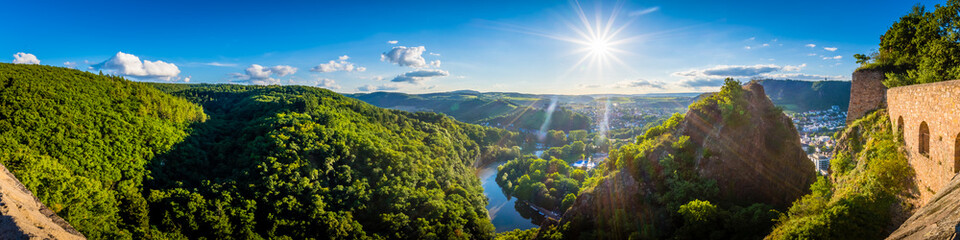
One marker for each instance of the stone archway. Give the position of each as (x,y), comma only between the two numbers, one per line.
(924,141)
(900,128)
(956,155)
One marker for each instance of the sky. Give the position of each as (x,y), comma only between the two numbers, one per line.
(543,47)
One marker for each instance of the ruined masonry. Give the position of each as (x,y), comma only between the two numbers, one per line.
(925,116)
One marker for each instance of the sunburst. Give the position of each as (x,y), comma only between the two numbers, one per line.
(600,38)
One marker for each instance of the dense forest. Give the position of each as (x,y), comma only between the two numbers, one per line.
(802,96)
(120,159)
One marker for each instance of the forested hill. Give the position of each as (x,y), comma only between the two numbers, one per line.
(801,96)
(505,110)
(120,160)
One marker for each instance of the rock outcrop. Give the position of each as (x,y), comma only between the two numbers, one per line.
(24,217)
(938,219)
(760,161)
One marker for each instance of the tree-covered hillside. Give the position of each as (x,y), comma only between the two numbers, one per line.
(505,110)
(81,142)
(802,96)
(120,159)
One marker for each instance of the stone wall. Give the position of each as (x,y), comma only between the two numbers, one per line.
(867,93)
(937,104)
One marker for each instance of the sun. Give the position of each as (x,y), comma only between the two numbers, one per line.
(599,37)
(599,47)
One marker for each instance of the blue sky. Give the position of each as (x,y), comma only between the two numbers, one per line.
(519,46)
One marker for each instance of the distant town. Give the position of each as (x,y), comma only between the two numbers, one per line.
(816,129)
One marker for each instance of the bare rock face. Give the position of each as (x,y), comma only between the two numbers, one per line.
(617,196)
(24,217)
(759,161)
(938,219)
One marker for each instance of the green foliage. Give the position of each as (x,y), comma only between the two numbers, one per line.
(79,141)
(922,47)
(549,184)
(698,211)
(518,234)
(732,104)
(865,188)
(669,125)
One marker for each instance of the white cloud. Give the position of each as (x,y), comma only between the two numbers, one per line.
(327,83)
(789,68)
(435,63)
(802,76)
(418,76)
(340,64)
(811,54)
(644,11)
(837,57)
(283,70)
(765,45)
(811,45)
(579,85)
(435,54)
(385,87)
(217,64)
(405,56)
(751,38)
(130,65)
(640,83)
(25,58)
(713,76)
(730,71)
(393,42)
(260,75)
(830,49)
(747,47)
(69,64)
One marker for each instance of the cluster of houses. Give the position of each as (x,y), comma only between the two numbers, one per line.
(815,128)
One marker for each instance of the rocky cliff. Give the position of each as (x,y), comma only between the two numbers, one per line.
(24,217)
(760,161)
(938,219)
(733,148)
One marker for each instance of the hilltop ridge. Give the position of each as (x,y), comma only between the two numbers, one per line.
(707,158)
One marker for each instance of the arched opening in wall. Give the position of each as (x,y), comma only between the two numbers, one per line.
(924,139)
(900,128)
(956,155)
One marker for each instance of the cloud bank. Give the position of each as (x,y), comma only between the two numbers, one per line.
(405,56)
(385,87)
(640,83)
(713,76)
(130,65)
(260,75)
(25,58)
(341,64)
(419,76)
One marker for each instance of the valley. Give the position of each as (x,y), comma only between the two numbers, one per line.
(530,120)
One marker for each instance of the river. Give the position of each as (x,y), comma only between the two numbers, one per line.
(504,211)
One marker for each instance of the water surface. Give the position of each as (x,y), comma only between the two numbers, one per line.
(504,211)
